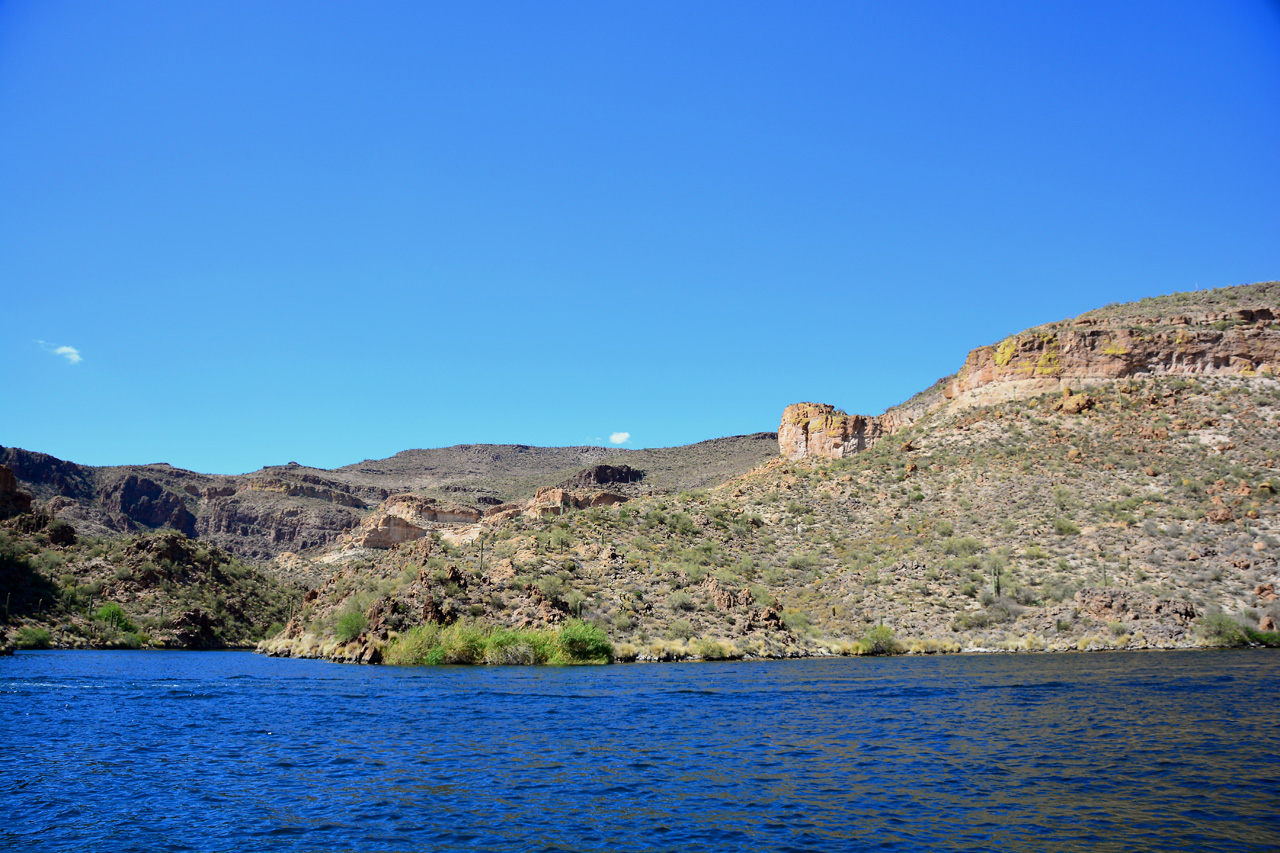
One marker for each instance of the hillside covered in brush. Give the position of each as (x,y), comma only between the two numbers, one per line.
(1102,482)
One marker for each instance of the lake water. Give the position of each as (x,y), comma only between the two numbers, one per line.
(122,751)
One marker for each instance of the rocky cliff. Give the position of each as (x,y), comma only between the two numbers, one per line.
(1167,336)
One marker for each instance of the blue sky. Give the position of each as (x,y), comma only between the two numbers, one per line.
(324,232)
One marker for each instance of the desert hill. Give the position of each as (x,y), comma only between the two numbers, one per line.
(1101,482)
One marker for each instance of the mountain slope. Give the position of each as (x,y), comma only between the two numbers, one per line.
(1001,509)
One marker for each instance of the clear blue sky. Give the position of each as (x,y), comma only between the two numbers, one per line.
(324,232)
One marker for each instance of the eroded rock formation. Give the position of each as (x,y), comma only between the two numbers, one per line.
(817,429)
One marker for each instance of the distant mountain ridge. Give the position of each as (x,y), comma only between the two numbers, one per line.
(296,508)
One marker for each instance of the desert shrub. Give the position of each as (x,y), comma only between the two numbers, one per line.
(878,641)
(969,621)
(802,561)
(1065,527)
(113,614)
(796,621)
(680,600)
(350,625)
(1219,629)
(33,638)
(551,587)
(680,629)
(965,547)
(711,650)
(61,533)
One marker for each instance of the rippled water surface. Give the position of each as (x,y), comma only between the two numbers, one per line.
(232,751)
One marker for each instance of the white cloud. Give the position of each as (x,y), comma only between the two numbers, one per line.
(619,438)
(71,354)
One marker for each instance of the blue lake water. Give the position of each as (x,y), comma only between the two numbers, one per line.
(125,751)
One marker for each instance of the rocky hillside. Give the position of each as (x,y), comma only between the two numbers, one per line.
(293,508)
(1101,483)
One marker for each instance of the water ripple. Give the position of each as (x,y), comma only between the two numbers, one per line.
(209,752)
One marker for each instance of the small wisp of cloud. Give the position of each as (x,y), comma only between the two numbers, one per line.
(71,354)
(620,438)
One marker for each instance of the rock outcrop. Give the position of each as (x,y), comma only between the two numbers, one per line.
(552,501)
(817,429)
(140,501)
(602,475)
(259,528)
(1114,603)
(404,518)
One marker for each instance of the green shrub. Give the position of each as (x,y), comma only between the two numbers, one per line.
(1219,629)
(576,642)
(1064,527)
(965,547)
(61,533)
(796,621)
(802,561)
(113,614)
(879,641)
(351,624)
(33,638)
(680,600)
(680,630)
(582,642)
(969,621)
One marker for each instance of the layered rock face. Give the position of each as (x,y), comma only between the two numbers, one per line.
(817,429)
(403,518)
(1092,352)
(1061,357)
